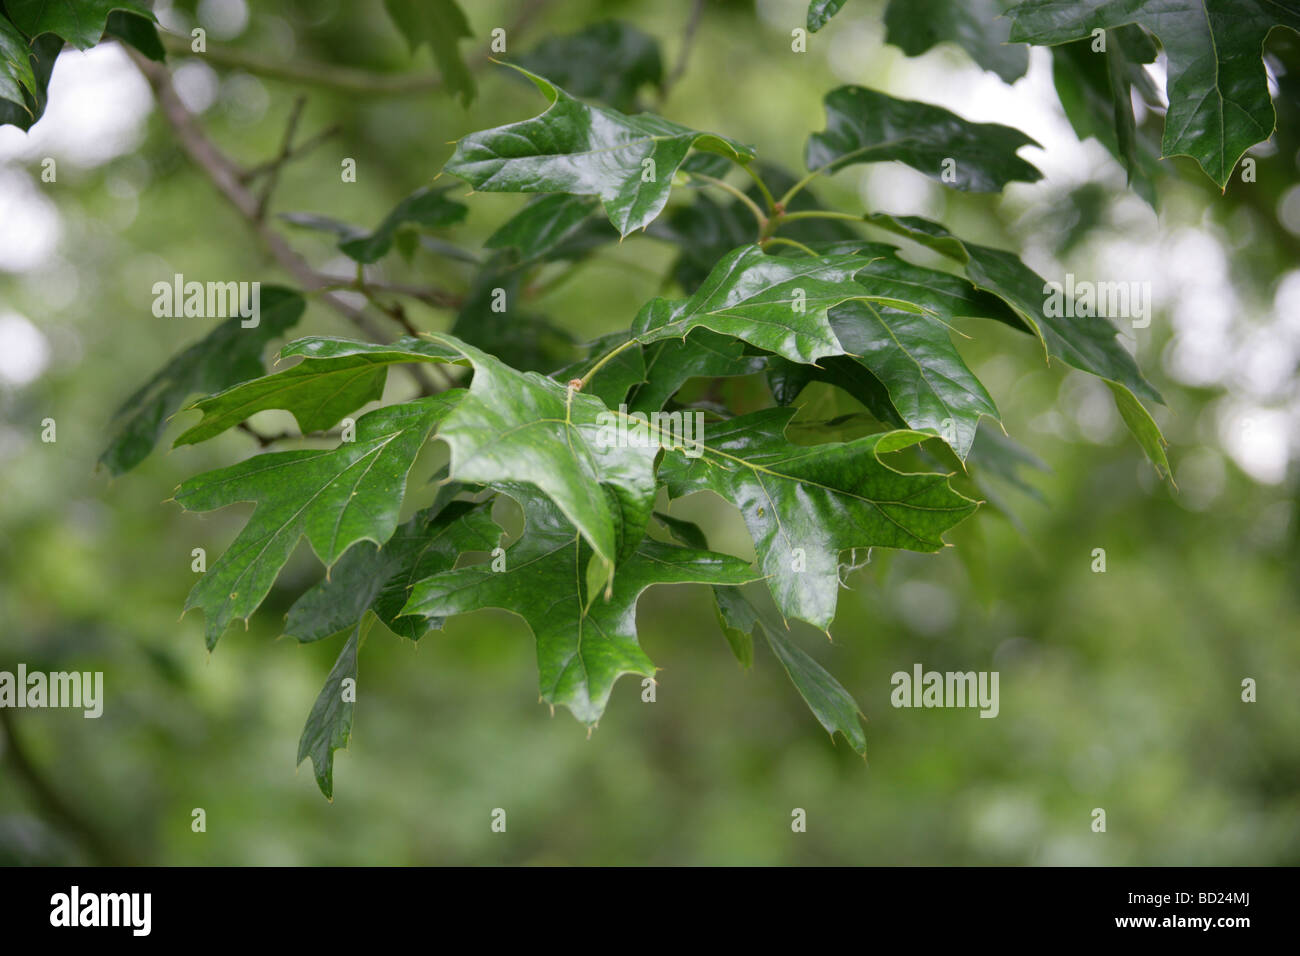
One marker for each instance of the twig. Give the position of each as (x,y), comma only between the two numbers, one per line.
(253,173)
(286,147)
(683,52)
(225,174)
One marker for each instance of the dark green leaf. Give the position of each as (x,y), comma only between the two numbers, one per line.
(79,22)
(608,61)
(329,725)
(702,354)
(442,25)
(866,126)
(16,74)
(977,26)
(30,105)
(227,355)
(334,497)
(613,379)
(585,640)
(1217,87)
(379,579)
(138,32)
(558,226)
(493,317)
(426,208)
(804,505)
(821,11)
(627,161)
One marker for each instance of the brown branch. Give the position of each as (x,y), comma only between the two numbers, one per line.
(684,53)
(253,173)
(226,175)
(286,147)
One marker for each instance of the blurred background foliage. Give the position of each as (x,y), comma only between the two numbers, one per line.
(1119,690)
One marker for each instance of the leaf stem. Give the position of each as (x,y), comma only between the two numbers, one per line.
(762,187)
(781,240)
(591,372)
(753,206)
(798,187)
(820,214)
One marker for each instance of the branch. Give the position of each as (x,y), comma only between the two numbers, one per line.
(684,52)
(51,804)
(226,175)
(286,147)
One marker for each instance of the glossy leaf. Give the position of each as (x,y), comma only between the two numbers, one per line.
(866,126)
(821,11)
(333,497)
(610,61)
(442,25)
(379,579)
(613,379)
(977,26)
(1217,88)
(804,505)
(585,641)
(79,22)
(29,105)
(777,303)
(329,725)
(227,355)
(626,161)
(338,377)
(15,64)
(702,354)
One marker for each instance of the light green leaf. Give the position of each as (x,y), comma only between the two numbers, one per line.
(1217,88)
(626,161)
(832,705)
(329,725)
(227,355)
(442,25)
(334,497)
(866,126)
(79,22)
(585,641)
(805,505)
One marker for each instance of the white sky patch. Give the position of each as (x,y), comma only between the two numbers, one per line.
(98,104)
(24,353)
(196,84)
(29,223)
(1257,439)
(223,19)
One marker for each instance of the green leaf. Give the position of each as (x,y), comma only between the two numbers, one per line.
(866,126)
(821,11)
(334,497)
(522,427)
(977,26)
(329,725)
(138,32)
(608,61)
(702,354)
(585,641)
(442,25)
(804,505)
(616,377)
(553,227)
(426,208)
(929,384)
(777,303)
(1142,426)
(1217,88)
(493,317)
(379,579)
(1088,344)
(626,161)
(1095,90)
(227,355)
(339,376)
(832,705)
(29,106)
(79,22)
(738,620)
(16,74)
